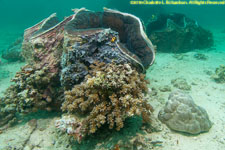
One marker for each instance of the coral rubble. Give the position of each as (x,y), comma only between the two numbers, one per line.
(177,33)
(181,114)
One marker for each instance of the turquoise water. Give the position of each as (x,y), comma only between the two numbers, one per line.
(25,13)
(19,15)
(179,65)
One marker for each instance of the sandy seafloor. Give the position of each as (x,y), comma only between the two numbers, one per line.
(205,92)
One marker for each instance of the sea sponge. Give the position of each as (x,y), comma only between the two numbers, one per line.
(108,95)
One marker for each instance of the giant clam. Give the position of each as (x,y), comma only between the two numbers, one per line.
(132,37)
(85,37)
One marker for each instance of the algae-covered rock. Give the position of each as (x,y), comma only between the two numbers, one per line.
(219,75)
(181,114)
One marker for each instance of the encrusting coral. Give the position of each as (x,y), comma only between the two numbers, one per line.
(33,89)
(108,95)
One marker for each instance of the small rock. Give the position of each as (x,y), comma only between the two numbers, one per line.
(32,123)
(194,83)
(161,100)
(222,141)
(180,56)
(165,88)
(154,92)
(208,72)
(27,148)
(156,142)
(181,84)
(200,56)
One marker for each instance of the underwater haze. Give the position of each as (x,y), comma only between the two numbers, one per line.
(126,77)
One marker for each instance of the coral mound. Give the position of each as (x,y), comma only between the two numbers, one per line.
(88,65)
(182,114)
(108,95)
